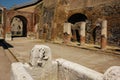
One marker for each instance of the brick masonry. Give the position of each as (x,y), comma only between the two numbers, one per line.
(59,11)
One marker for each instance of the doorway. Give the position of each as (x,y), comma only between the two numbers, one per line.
(74,19)
(19,26)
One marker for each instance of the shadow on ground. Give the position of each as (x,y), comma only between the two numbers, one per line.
(4,44)
(117,50)
(97,47)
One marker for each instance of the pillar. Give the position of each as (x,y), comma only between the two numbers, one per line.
(3,22)
(36,30)
(45,31)
(67,32)
(74,35)
(54,32)
(104,34)
(82,33)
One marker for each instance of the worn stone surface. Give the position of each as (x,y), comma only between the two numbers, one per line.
(64,9)
(4,65)
(104,34)
(113,73)
(59,11)
(40,56)
(48,73)
(71,71)
(18,72)
(88,56)
(67,28)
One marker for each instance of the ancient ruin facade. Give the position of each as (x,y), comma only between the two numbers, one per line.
(56,13)
(20,20)
(45,19)
(41,66)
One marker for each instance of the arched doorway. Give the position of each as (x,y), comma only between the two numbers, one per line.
(19,26)
(74,20)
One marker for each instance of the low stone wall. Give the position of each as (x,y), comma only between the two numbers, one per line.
(18,72)
(41,67)
(71,71)
(62,70)
(48,73)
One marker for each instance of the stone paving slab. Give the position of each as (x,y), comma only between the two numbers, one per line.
(94,59)
(4,65)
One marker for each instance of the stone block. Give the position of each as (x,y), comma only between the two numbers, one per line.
(71,71)
(113,73)
(67,28)
(8,36)
(44,73)
(40,56)
(18,72)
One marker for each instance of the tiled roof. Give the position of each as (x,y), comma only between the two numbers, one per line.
(33,2)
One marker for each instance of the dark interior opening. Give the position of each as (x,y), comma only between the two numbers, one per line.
(78,17)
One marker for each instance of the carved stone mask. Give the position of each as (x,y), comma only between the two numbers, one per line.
(39,55)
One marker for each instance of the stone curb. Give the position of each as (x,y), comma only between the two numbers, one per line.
(83,47)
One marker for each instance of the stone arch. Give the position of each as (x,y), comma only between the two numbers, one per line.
(74,20)
(77,17)
(18,25)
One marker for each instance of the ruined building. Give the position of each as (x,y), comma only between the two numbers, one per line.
(2,22)
(46,19)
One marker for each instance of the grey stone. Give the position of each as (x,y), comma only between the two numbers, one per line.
(18,72)
(113,73)
(40,56)
(72,71)
(8,36)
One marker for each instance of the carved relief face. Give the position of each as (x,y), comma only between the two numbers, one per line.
(39,56)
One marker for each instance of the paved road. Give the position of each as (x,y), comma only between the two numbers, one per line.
(5,61)
(96,60)
(4,66)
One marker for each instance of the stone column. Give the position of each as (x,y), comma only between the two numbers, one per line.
(2,17)
(112,73)
(67,32)
(82,33)
(45,31)
(74,35)
(4,22)
(54,32)
(36,31)
(104,34)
